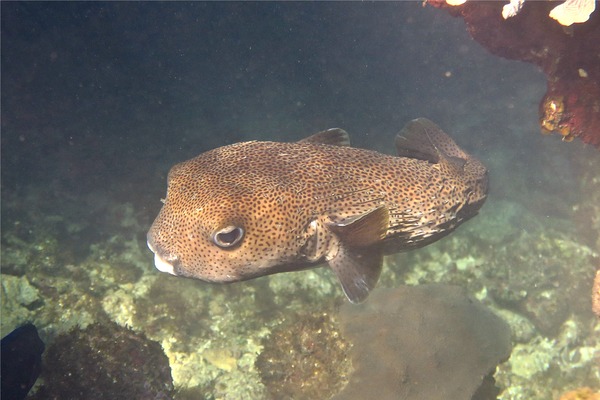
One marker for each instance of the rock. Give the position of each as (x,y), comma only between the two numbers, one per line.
(105,362)
(304,358)
(20,290)
(423,342)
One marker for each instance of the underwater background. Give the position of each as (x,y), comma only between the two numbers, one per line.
(99,100)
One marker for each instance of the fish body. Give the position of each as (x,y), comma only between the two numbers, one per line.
(257,208)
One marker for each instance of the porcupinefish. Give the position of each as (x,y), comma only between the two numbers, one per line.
(257,208)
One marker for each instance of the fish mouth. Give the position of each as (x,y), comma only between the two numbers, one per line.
(161,263)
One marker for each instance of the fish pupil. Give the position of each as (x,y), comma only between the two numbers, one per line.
(228,236)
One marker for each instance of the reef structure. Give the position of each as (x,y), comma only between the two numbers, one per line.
(563,40)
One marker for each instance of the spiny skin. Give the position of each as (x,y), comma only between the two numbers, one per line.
(285,195)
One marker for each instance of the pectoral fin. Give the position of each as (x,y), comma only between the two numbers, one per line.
(357,270)
(355,256)
(363,230)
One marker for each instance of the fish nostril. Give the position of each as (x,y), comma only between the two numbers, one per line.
(228,237)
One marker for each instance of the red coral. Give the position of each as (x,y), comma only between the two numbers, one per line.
(569,56)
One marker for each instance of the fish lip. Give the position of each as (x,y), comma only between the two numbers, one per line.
(161,263)
(150,246)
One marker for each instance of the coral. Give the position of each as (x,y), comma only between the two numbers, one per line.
(573,11)
(587,209)
(511,9)
(304,358)
(568,360)
(105,362)
(584,393)
(596,294)
(514,281)
(567,13)
(567,55)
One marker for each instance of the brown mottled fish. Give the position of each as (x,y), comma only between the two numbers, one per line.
(257,208)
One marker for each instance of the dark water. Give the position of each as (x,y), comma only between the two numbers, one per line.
(99,100)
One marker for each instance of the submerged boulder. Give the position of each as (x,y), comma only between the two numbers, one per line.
(105,361)
(423,342)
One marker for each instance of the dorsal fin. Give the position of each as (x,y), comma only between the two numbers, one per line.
(333,136)
(424,140)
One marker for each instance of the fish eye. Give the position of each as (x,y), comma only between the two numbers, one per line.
(228,236)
